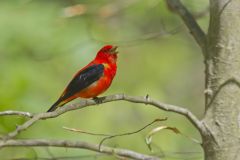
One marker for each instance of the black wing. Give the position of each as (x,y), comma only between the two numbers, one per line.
(81,81)
(84,79)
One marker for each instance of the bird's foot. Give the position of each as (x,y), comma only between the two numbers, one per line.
(98,100)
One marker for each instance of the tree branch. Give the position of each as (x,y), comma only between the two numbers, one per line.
(19,113)
(110,136)
(177,7)
(77,144)
(88,102)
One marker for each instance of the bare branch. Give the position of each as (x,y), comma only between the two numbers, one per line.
(88,102)
(177,7)
(77,144)
(129,133)
(140,39)
(19,113)
(86,132)
(110,136)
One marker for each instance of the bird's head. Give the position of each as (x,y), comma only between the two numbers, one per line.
(108,53)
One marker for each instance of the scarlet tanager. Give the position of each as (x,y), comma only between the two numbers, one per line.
(91,80)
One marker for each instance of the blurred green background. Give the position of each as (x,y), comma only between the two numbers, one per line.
(43,43)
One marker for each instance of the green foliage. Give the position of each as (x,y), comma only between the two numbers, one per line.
(40,50)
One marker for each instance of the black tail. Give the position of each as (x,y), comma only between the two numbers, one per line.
(55,106)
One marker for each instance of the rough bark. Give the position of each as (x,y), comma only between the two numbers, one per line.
(222,118)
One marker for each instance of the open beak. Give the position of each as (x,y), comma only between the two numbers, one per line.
(113,50)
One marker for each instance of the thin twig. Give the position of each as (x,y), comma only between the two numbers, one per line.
(110,136)
(140,39)
(77,144)
(86,132)
(88,102)
(18,113)
(177,7)
(129,133)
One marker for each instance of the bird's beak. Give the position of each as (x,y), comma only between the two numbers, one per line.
(113,50)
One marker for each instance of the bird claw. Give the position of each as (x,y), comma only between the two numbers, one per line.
(98,100)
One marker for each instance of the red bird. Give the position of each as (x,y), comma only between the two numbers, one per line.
(93,79)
